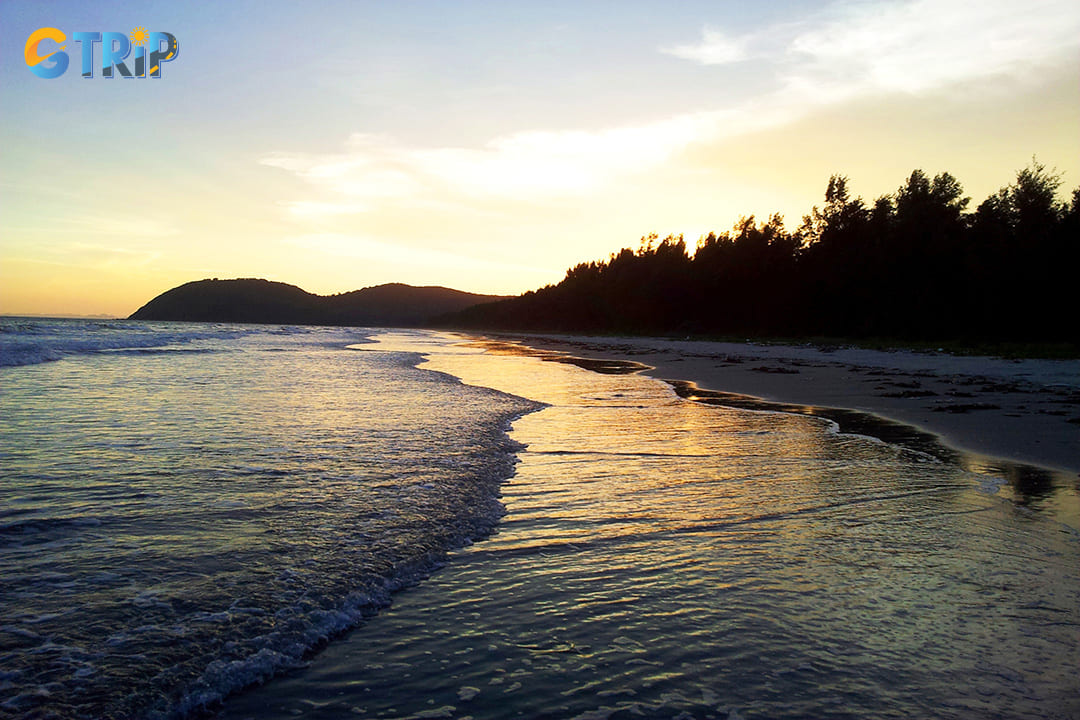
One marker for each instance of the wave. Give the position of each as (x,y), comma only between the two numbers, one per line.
(35,341)
(42,529)
(218,545)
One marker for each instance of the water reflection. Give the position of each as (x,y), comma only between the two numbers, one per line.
(662,557)
(178,524)
(1050,491)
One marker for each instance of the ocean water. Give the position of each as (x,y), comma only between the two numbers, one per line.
(188,510)
(662,558)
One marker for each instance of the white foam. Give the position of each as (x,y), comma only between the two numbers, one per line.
(446,711)
(51,340)
(991,484)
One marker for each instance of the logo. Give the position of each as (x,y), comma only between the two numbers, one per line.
(115,48)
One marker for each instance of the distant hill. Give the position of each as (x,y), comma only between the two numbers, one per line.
(252,300)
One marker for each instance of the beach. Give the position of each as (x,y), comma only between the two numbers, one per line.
(1026,410)
(279,522)
(670,558)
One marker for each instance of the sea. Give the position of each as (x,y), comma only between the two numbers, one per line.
(255,521)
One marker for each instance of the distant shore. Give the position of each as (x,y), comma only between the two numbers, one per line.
(1026,411)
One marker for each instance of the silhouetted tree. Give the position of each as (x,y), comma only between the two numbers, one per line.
(914,264)
(835,281)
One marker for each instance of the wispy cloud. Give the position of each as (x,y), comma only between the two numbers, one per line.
(908,46)
(715,48)
(87,255)
(921,46)
(527,166)
(119,226)
(851,49)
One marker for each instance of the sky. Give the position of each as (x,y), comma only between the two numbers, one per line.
(488,146)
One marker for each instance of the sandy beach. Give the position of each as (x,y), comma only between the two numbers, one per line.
(1027,410)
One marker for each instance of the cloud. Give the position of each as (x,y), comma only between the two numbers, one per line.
(923,45)
(715,48)
(531,166)
(125,226)
(114,225)
(853,49)
(908,46)
(370,168)
(92,255)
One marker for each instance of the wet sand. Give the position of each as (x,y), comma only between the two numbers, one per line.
(1026,411)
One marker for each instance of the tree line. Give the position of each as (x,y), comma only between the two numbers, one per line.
(916,264)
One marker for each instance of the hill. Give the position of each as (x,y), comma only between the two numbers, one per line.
(253,300)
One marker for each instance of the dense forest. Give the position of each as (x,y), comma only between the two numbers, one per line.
(916,264)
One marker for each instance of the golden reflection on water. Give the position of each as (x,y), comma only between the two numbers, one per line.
(640,461)
(663,556)
(166,511)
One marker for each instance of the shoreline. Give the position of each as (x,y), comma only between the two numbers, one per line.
(979,411)
(629,572)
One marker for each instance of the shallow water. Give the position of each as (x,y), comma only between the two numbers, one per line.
(663,558)
(186,509)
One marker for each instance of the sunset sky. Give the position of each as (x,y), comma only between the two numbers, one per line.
(488,146)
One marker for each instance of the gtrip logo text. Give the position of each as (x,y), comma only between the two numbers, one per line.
(110,51)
